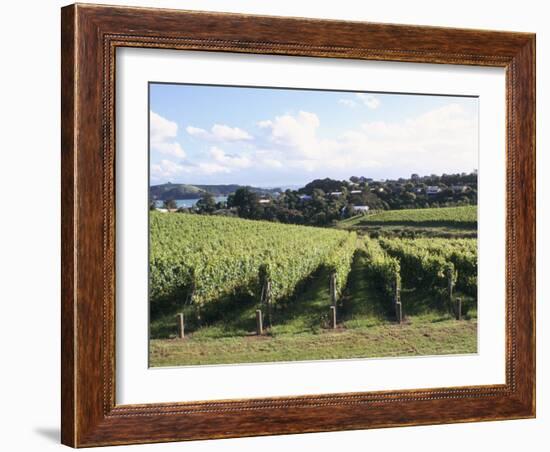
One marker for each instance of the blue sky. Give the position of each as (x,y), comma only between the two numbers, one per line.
(285,137)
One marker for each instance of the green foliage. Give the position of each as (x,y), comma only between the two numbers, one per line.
(221,256)
(462,253)
(246,202)
(464,216)
(385,270)
(340,259)
(207,204)
(428,262)
(169,204)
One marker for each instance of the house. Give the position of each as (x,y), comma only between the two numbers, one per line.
(432,190)
(356,192)
(336,193)
(264,201)
(459,188)
(163,210)
(305,198)
(362,209)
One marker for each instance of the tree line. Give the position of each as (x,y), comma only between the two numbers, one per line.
(322,202)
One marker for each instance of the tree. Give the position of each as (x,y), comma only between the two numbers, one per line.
(207,204)
(246,202)
(170,204)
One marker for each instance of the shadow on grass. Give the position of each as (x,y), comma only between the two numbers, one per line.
(427,223)
(434,306)
(305,311)
(308,310)
(413,232)
(362,301)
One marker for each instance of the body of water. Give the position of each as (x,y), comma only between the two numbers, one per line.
(187,203)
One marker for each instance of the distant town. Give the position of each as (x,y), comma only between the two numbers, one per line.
(320,202)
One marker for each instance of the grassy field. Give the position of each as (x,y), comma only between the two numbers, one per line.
(418,338)
(438,222)
(366,327)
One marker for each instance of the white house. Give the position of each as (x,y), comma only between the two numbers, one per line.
(356,192)
(459,188)
(163,210)
(336,193)
(432,190)
(361,208)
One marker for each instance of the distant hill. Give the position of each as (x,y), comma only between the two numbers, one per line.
(186,191)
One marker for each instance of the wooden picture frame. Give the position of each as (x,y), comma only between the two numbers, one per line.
(90,36)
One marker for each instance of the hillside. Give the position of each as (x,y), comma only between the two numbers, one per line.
(187,191)
(458,221)
(463,216)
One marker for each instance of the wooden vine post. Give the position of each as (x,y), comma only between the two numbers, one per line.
(450,285)
(458,309)
(333,289)
(333,317)
(191,299)
(266,295)
(397,301)
(259,322)
(181,325)
(333,298)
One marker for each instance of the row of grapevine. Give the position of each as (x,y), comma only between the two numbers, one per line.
(463,254)
(430,262)
(340,259)
(214,256)
(465,216)
(382,268)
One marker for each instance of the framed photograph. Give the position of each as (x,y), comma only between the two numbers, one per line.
(281,225)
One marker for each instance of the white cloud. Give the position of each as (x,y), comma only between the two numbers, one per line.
(296,133)
(368,100)
(441,140)
(216,162)
(220,133)
(196,131)
(226,133)
(271,163)
(206,168)
(229,161)
(162,136)
(166,169)
(348,102)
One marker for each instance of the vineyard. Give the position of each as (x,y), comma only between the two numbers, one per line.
(206,258)
(463,216)
(431,262)
(447,222)
(221,271)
